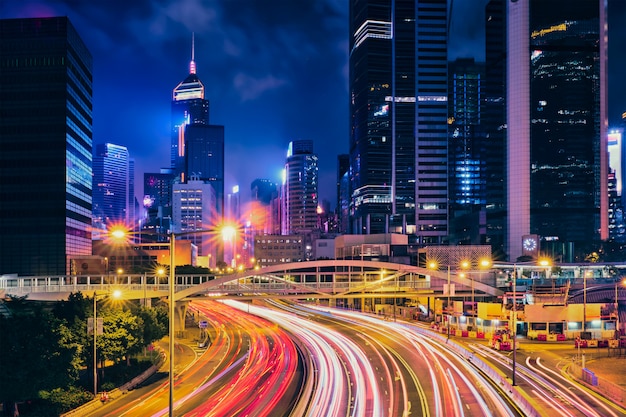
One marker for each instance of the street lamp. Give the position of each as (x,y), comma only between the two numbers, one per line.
(617,330)
(585,275)
(542,262)
(95,328)
(433,265)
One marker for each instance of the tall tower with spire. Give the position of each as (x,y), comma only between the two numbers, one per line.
(197,146)
(188,107)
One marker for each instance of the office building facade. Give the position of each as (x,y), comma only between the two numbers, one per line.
(192,206)
(197,147)
(467,148)
(111,184)
(398,109)
(45,146)
(557,125)
(300,194)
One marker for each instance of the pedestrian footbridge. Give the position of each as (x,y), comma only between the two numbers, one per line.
(329,279)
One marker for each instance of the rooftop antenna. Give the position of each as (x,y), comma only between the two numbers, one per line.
(192,64)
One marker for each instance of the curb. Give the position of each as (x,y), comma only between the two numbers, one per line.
(117,392)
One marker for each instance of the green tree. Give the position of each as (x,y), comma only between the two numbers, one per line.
(122,335)
(37,353)
(154,324)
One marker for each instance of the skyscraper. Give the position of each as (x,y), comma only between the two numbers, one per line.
(398,108)
(264,209)
(157,200)
(188,108)
(557,124)
(494,124)
(111,183)
(192,207)
(204,160)
(197,147)
(45,146)
(300,198)
(467,147)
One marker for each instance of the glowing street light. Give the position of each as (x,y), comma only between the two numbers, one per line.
(541,262)
(116,294)
(433,265)
(226,231)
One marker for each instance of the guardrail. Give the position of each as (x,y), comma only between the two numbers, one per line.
(95,403)
(515,396)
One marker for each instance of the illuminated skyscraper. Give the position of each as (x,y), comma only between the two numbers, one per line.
(111,182)
(188,108)
(197,147)
(467,148)
(157,201)
(398,108)
(557,124)
(193,203)
(300,198)
(45,146)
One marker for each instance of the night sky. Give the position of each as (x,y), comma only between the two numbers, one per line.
(274,71)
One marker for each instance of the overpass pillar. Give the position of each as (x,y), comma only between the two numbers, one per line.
(180,314)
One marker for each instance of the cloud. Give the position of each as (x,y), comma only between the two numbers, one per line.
(250,88)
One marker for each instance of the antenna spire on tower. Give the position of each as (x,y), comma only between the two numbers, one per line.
(192,64)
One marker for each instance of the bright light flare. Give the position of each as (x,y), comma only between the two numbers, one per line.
(545,262)
(228,233)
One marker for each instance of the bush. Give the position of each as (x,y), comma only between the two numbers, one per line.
(58,401)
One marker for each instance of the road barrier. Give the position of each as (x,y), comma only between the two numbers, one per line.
(96,402)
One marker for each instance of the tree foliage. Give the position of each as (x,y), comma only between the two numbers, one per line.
(37,353)
(43,347)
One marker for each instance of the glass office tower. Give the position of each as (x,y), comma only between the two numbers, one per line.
(300,198)
(111,182)
(557,124)
(45,146)
(398,109)
(189,107)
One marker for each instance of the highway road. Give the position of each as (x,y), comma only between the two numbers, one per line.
(282,359)
(249,369)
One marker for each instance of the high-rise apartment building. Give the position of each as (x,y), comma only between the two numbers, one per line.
(45,146)
(300,197)
(111,183)
(398,108)
(557,125)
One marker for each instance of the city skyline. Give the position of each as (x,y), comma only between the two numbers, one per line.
(274,72)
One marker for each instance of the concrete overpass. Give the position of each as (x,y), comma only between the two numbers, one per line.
(321,279)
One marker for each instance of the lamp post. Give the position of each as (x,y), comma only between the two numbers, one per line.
(171,321)
(116,294)
(585,274)
(95,333)
(542,262)
(172,310)
(433,265)
(618,333)
(514,319)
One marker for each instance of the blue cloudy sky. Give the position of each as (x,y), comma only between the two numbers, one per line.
(274,71)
